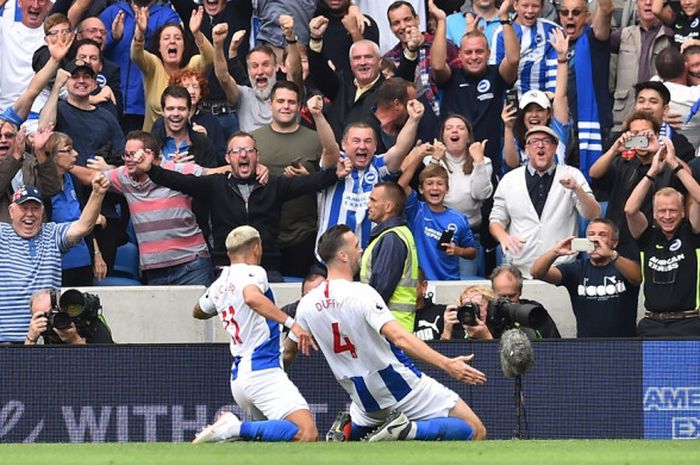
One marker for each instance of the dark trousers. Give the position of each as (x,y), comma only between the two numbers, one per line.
(298,258)
(686,327)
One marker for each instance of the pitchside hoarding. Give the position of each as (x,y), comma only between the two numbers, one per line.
(123,393)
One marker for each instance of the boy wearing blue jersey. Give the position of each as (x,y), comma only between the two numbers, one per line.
(430,220)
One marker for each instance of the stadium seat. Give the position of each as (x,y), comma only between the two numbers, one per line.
(126,268)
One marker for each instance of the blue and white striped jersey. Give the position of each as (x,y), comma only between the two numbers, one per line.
(538,59)
(346,201)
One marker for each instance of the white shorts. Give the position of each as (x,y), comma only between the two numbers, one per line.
(267,394)
(429,399)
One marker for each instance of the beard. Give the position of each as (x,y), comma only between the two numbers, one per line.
(264,93)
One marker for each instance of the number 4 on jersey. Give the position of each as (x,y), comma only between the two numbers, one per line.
(344,345)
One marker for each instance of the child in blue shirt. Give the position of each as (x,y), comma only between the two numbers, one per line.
(428,220)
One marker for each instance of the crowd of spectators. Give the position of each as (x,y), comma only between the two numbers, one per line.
(450,136)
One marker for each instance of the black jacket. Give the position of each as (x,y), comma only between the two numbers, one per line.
(229,209)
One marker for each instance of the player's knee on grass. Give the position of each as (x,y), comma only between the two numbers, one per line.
(305,422)
(463,411)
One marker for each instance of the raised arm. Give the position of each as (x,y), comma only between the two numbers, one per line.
(636,219)
(49,113)
(411,162)
(508,69)
(206,51)
(602,19)
(438,52)
(560,106)
(331,151)
(406,138)
(320,72)
(663,11)
(542,268)
(590,208)
(294,71)
(143,59)
(58,48)
(77,11)
(83,225)
(229,84)
(605,161)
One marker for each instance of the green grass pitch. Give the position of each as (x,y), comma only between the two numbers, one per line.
(598,452)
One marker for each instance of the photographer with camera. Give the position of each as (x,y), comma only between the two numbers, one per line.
(74,318)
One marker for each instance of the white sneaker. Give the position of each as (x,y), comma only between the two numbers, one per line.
(226,427)
(395,428)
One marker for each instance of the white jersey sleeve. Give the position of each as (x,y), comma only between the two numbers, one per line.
(377,313)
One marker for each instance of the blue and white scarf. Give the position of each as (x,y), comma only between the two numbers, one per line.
(590,142)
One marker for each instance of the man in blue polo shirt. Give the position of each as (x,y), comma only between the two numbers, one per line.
(30,253)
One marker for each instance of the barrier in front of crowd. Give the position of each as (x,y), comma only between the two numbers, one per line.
(126,393)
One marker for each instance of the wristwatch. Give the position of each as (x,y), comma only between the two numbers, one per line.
(615,255)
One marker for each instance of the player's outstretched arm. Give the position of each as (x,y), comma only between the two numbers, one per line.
(456,367)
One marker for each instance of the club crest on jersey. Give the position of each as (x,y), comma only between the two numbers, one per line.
(695,22)
(675,245)
(370,177)
(483,86)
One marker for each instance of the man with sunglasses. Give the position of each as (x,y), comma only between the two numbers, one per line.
(537,204)
(238,198)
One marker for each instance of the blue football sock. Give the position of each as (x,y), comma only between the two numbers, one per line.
(358,432)
(443,429)
(268,430)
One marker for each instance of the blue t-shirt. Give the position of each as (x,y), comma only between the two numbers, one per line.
(604,302)
(65,208)
(427,227)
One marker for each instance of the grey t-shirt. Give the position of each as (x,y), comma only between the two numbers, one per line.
(252,112)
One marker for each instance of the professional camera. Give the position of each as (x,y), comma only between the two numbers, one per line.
(77,307)
(467,314)
(504,314)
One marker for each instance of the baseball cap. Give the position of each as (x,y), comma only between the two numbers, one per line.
(79,65)
(542,129)
(535,96)
(658,86)
(25,194)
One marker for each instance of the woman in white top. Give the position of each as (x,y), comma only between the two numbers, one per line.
(469,170)
(469,175)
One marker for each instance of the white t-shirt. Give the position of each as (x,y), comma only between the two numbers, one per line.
(255,341)
(345,318)
(17,46)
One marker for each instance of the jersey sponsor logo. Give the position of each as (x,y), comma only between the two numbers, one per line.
(675,245)
(464,84)
(356,201)
(483,86)
(610,287)
(665,264)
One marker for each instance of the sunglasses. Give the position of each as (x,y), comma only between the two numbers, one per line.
(575,12)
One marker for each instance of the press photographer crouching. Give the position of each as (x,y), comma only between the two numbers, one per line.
(73,318)
(485,314)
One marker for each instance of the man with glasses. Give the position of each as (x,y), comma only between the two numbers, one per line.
(18,41)
(172,249)
(536,205)
(238,198)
